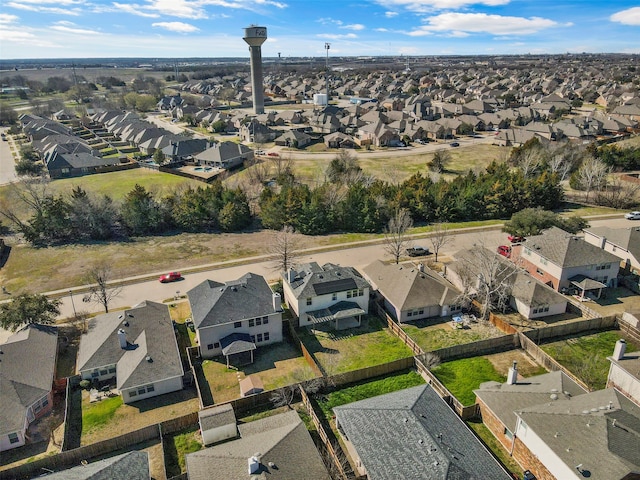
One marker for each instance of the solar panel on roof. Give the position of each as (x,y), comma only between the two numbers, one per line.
(335,286)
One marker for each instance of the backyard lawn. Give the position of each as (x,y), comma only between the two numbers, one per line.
(586,356)
(354,348)
(277,365)
(496,447)
(433,336)
(462,377)
(176,446)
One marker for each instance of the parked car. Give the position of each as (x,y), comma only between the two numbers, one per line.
(454,144)
(170,277)
(417,251)
(632,216)
(258,152)
(273,154)
(504,250)
(515,238)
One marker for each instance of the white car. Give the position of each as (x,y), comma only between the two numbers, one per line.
(632,216)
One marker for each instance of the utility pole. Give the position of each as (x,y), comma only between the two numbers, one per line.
(75,315)
(327,45)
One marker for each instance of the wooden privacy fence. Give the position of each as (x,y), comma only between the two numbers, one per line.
(305,353)
(572,328)
(398,332)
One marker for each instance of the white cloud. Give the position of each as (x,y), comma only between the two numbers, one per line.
(354,26)
(329,21)
(381,30)
(630,16)
(391,14)
(54,10)
(178,8)
(179,27)
(70,27)
(5,18)
(55,2)
(431,5)
(337,37)
(134,10)
(483,23)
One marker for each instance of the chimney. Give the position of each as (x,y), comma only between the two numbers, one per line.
(122,336)
(254,465)
(421,267)
(603,242)
(619,349)
(277,302)
(512,375)
(291,275)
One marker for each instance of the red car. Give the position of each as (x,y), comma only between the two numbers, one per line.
(504,250)
(273,154)
(170,277)
(515,238)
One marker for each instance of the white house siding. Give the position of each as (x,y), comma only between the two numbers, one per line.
(325,301)
(5,443)
(545,455)
(620,252)
(624,381)
(527,311)
(610,271)
(212,335)
(159,388)
(99,374)
(290,299)
(427,312)
(215,435)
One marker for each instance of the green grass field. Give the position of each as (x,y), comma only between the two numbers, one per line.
(176,447)
(97,415)
(464,376)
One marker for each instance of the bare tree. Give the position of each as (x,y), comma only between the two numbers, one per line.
(440,236)
(592,174)
(32,192)
(430,360)
(396,239)
(284,396)
(283,164)
(283,246)
(98,276)
(440,160)
(530,160)
(619,194)
(487,277)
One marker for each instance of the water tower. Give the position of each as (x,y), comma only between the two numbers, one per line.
(255,36)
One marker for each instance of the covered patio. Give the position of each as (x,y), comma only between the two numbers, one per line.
(586,284)
(239,346)
(342,315)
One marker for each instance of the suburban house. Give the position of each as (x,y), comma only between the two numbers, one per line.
(63,165)
(412,292)
(132,465)
(624,243)
(563,261)
(294,139)
(217,424)
(513,286)
(136,348)
(236,317)
(499,402)
(277,447)
(624,371)
(413,434)
(226,155)
(27,368)
(330,293)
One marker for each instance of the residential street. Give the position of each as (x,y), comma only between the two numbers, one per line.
(7,166)
(357,257)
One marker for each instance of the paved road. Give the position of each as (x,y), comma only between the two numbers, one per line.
(7,165)
(359,256)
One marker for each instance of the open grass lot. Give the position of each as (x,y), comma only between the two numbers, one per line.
(462,377)
(176,446)
(110,417)
(368,389)
(432,336)
(354,348)
(277,365)
(496,447)
(586,356)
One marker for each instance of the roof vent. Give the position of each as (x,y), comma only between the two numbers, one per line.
(272,465)
(234,288)
(553,396)
(254,465)
(120,316)
(125,323)
(149,359)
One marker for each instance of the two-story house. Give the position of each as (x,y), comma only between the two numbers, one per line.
(328,293)
(236,317)
(624,243)
(564,261)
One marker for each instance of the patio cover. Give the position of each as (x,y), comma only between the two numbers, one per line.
(339,311)
(585,284)
(236,343)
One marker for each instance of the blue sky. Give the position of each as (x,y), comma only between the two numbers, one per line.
(213,28)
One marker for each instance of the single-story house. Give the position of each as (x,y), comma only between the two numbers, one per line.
(135,348)
(132,465)
(294,139)
(63,165)
(226,155)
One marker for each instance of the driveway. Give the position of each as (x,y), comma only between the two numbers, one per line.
(7,165)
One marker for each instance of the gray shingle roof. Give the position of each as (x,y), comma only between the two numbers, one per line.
(504,399)
(600,430)
(311,278)
(625,238)
(27,367)
(214,303)
(215,417)
(406,287)
(131,465)
(149,332)
(282,439)
(413,434)
(566,250)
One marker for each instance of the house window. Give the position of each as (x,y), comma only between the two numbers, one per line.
(95,374)
(133,393)
(142,390)
(266,336)
(45,402)
(103,372)
(334,296)
(258,321)
(251,322)
(508,434)
(237,324)
(543,261)
(13,438)
(210,346)
(309,301)
(527,251)
(112,369)
(259,338)
(349,294)
(421,311)
(539,272)
(216,345)
(64,170)
(37,408)
(360,292)
(151,388)
(409,314)
(265,320)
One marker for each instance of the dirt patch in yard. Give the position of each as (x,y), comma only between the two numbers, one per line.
(527,367)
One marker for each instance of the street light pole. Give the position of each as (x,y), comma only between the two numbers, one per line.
(75,315)
(326,47)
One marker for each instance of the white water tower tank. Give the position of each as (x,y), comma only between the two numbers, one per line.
(320,99)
